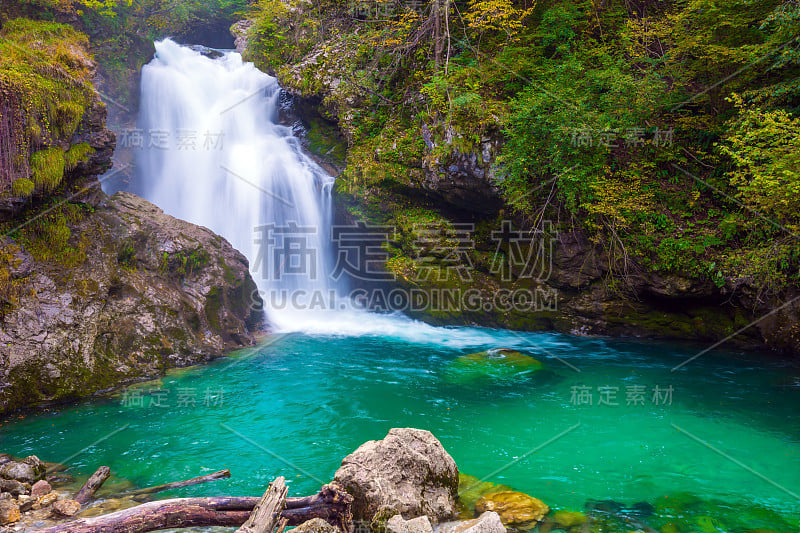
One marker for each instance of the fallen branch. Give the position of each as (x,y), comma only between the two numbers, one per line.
(331,504)
(222,474)
(92,484)
(266,512)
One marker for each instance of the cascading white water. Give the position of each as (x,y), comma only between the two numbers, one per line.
(215,155)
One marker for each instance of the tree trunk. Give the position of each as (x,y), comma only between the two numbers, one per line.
(331,504)
(92,484)
(265,515)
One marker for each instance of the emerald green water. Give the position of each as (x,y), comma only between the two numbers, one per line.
(298,405)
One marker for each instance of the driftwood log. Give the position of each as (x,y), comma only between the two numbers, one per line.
(222,474)
(92,484)
(332,504)
(267,511)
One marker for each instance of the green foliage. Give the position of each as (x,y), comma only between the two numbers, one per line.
(764,146)
(616,118)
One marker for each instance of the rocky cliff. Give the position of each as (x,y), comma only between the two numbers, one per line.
(141,293)
(94,290)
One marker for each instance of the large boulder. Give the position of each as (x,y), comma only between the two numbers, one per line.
(407,473)
(136,292)
(516,509)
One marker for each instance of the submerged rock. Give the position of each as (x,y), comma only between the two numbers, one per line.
(144,292)
(407,473)
(498,363)
(516,509)
(569,518)
(470,490)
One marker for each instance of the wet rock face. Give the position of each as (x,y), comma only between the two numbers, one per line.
(153,292)
(407,473)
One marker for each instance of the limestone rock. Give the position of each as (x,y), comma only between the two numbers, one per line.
(407,473)
(9,512)
(421,524)
(316,525)
(66,507)
(40,488)
(488,522)
(516,509)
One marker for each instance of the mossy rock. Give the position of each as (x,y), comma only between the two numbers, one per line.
(516,509)
(497,364)
(678,501)
(568,519)
(22,187)
(471,489)
(706,524)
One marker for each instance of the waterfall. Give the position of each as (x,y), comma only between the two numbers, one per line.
(213,153)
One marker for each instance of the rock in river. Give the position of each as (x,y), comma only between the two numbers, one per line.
(516,509)
(488,522)
(498,363)
(407,473)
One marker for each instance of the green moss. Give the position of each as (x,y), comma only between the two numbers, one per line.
(46,88)
(49,237)
(67,117)
(47,168)
(77,153)
(22,187)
